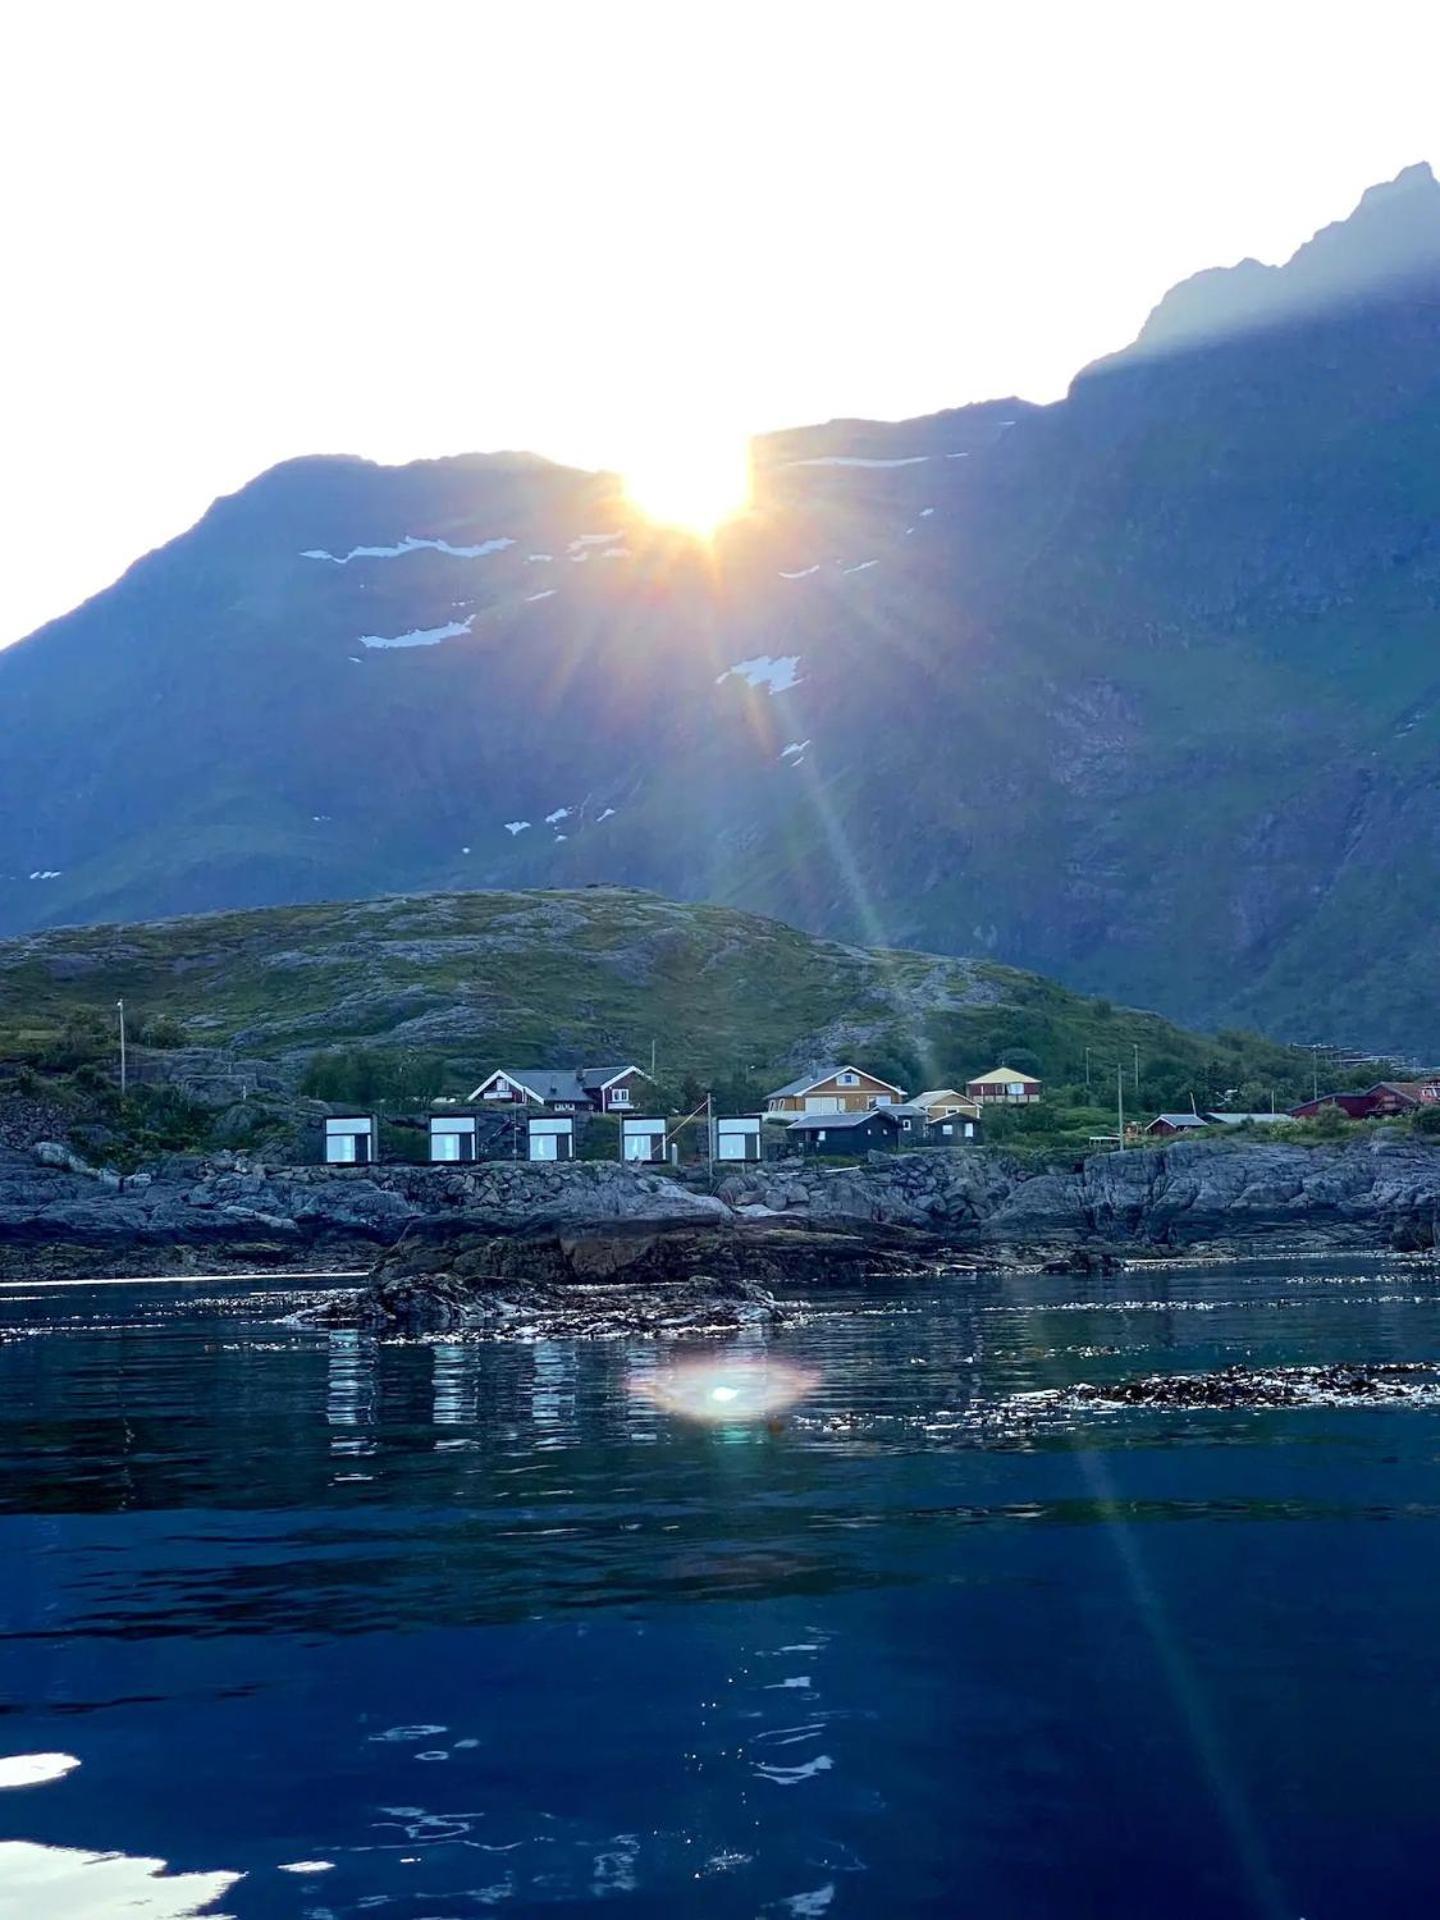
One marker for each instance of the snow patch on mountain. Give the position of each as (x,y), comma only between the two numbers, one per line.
(803,574)
(419,636)
(408,545)
(861,566)
(794,750)
(763,671)
(544,594)
(512,827)
(560,813)
(853,460)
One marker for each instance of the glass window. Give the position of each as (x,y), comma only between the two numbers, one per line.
(619,1096)
(544,1146)
(637,1146)
(731,1146)
(848,1080)
(340,1149)
(445,1146)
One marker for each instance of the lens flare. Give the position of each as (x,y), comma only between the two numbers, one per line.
(720,1390)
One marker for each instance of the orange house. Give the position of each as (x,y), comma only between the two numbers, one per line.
(834,1090)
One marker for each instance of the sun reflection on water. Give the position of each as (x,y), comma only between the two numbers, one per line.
(720,1389)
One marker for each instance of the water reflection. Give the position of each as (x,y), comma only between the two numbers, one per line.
(444,1627)
(350,1393)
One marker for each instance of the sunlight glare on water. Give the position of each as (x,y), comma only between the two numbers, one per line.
(719,1388)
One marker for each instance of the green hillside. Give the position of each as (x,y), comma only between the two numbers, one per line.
(449,985)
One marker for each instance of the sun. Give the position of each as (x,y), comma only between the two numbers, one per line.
(695,483)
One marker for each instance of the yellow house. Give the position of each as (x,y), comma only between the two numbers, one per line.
(834,1090)
(943,1103)
(1004,1083)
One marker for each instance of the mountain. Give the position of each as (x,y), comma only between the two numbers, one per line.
(1140,689)
(557,977)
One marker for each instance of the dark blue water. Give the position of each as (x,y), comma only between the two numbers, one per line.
(473,1629)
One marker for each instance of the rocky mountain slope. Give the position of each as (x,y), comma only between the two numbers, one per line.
(548,978)
(1139,689)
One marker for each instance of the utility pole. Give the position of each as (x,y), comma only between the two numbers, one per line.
(1136,1082)
(710,1135)
(120,1007)
(1087,1073)
(1120,1104)
(652,1057)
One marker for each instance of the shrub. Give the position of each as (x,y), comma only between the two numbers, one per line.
(1426,1119)
(161,1030)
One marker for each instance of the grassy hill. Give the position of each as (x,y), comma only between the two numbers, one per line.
(445,986)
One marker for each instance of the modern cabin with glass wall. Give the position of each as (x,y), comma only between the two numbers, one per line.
(738,1138)
(551,1139)
(452,1138)
(642,1140)
(351,1140)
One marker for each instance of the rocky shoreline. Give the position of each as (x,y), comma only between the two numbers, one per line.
(785,1221)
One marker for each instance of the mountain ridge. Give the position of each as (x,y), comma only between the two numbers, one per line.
(1138,689)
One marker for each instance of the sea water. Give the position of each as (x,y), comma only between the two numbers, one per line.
(293,1623)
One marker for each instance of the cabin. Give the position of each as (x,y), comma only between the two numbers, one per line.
(563,1090)
(913,1120)
(862,1132)
(614,1089)
(642,1140)
(453,1138)
(941,1103)
(1247,1119)
(1385,1097)
(550,1137)
(1165,1124)
(737,1138)
(840,1089)
(351,1140)
(952,1130)
(1004,1083)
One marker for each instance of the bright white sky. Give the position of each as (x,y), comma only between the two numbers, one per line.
(235,230)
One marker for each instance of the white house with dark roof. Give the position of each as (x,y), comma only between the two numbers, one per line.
(842,1089)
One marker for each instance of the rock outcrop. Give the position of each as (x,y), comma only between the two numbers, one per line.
(1411,1382)
(1381,1189)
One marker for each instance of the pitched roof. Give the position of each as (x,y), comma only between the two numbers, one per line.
(549,1085)
(817,1074)
(597,1077)
(1180,1120)
(1001,1076)
(806,1120)
(1240,1119)
(932,1094)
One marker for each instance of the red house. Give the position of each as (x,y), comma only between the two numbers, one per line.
(1385,1097)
